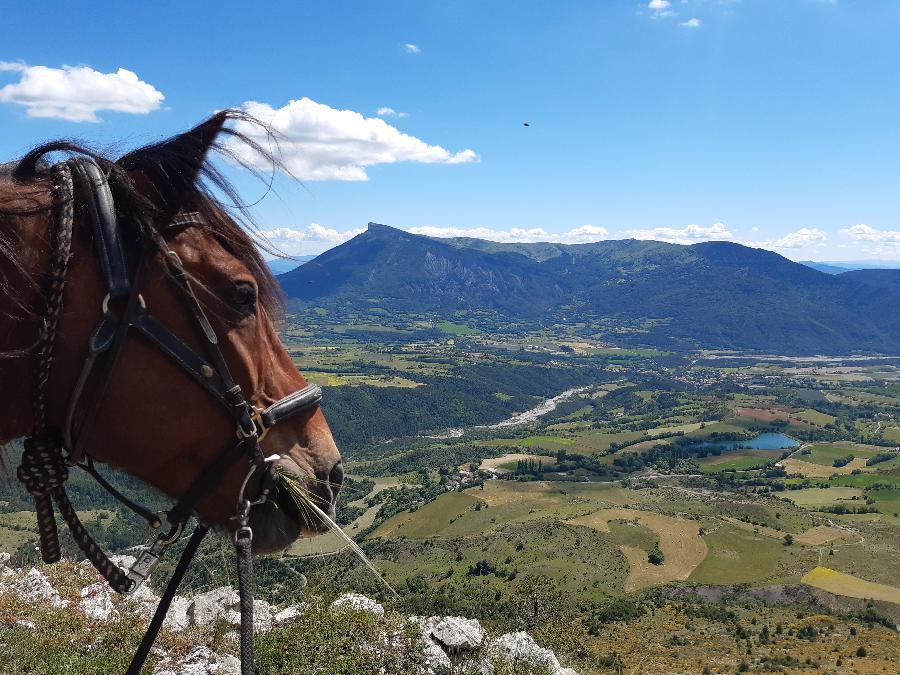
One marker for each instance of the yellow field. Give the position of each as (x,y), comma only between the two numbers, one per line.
(823,534)
(497,462)
(854,587)
(679,540)
(811,470)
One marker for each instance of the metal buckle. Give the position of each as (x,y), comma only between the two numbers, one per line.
(259,428)
(149,558)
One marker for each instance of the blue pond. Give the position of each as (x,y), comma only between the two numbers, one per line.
(767,441)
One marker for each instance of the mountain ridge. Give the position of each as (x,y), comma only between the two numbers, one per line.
(711,294)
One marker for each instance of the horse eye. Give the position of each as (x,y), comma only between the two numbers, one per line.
(243,296)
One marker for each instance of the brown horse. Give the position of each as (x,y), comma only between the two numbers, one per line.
(154,421)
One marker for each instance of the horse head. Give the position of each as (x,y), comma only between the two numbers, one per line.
(150,418)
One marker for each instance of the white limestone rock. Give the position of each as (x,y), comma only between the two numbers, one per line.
(520,649)
(207,608)
(359,603)
(288,615)
(96,601)
(200,661)
(436,660)
(458,634)
(35,587)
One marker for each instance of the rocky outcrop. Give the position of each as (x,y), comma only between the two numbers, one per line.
(200,661)
(457,634)
(520,649)
(451,645)
(359,603)
(33,587)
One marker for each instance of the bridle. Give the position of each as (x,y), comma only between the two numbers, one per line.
(44,467)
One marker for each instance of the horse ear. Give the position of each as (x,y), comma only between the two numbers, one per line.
(167,172)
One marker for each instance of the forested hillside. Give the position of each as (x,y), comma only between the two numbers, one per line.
(713,295)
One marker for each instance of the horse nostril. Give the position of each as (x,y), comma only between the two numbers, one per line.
(336,477)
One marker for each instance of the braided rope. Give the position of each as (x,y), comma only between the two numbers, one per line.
(63,212)
(114,575)
(43,471)
(244,553)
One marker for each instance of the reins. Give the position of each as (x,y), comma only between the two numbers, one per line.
(45,467)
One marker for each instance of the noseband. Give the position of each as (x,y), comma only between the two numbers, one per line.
(44,467)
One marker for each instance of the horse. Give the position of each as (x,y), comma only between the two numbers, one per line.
(144,414)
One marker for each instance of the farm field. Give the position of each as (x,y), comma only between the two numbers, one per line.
(679,540)
(819,497)
(825,455)
(845,584)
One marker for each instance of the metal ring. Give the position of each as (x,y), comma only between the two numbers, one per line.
(174,534)
(105,303)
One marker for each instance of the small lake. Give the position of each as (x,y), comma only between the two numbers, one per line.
(767,441)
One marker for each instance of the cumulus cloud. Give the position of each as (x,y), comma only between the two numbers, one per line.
(660,8)
(867,233)
(686,235)
(77,93)
(805,237)
(410,48)
(317,142)
(298,242)
(390,112)
(578,235)
(692,23)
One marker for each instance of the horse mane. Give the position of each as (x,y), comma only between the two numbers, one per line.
(169,164)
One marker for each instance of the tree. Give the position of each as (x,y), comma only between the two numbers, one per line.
(788,540)
(655,556)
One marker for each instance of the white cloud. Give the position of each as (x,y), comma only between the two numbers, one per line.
(686,235)
(867,233)
(579,235)
(410,48)
(805,237)
(317,142)
(384,111)
(692,23)
(660,8)
(299,242)
(77,93)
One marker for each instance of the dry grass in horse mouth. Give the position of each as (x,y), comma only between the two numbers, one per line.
(307,507)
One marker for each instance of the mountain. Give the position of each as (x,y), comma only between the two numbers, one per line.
(713,295)
(825,267)
(839,267)
(282,265)
(885,279)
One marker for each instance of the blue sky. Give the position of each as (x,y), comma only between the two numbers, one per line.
(768,122)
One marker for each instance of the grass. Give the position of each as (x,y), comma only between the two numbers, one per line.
(679,540)
(864,480)
(891,434)
(736,461)
(820,419)
(854,587)
(825,455)
(812,498)
(455,328)
(430,519)
(737,556)
(887,501)
(356,380)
